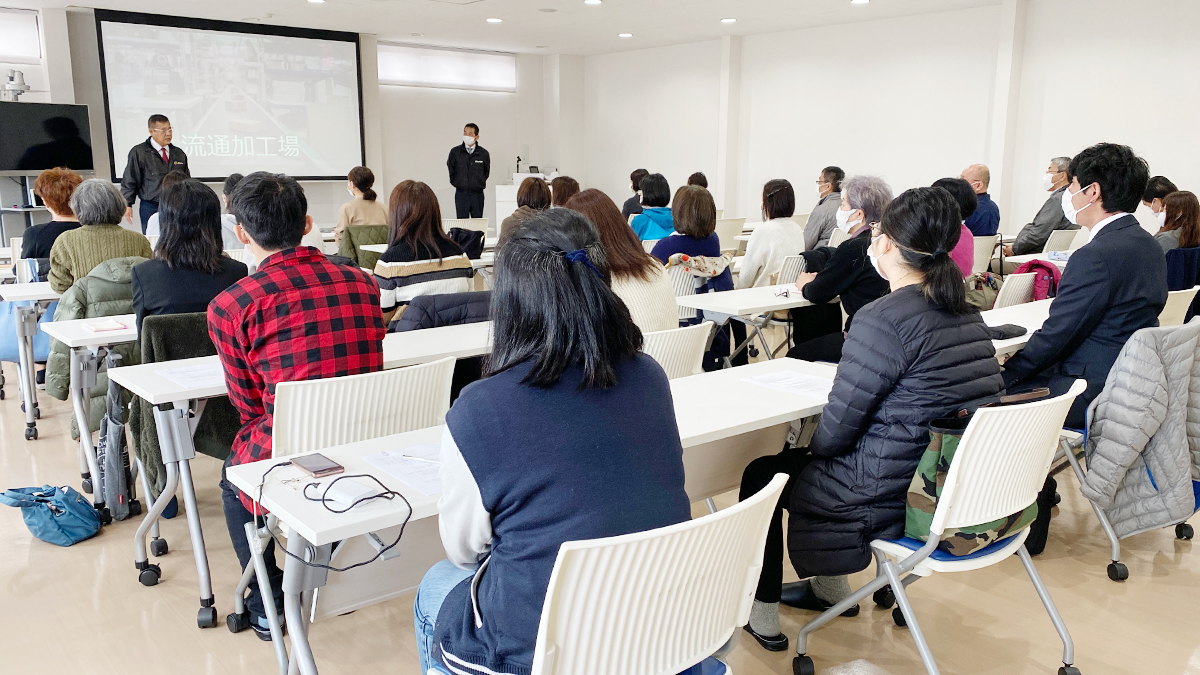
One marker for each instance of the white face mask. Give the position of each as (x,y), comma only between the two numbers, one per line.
(1048,182)
(1069,209)
(843,220)
(469,140)
(875,258)
(1162,218)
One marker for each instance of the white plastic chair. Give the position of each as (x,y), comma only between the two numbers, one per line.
(153,241)
(657,602)
(238,254)
(984,248)
(24,270)
(1000,466)
(838,237)
(1176,309)
(1016,290)
(720,213)
(648,244)
(1060,240)
(477,224)
(680,351)
(315,414)
(1081,238)
(727,229)
(685,284)
(793,266)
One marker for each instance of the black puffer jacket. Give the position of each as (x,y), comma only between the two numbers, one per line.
(905,363)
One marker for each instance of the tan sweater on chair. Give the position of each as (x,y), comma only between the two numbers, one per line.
(77,252)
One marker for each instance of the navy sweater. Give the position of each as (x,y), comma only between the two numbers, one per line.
(709,247)
(554,465)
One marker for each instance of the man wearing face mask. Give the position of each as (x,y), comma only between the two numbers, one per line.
(469,165)
(1112,287)
(1033,237)
(985,222)
(1156,191)
(845,271)
(823,219)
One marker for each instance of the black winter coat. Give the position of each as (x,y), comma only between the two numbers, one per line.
(905,363)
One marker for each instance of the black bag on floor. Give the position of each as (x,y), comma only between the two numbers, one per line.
(112,454)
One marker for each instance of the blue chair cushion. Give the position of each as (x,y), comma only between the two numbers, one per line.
(709,666)
(1196,492)
(942,556)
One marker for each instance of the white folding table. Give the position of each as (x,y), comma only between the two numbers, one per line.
(27,320)
(484,261)
(1030,315)
(741,304)
(719,434)
(88,348)
(415,347)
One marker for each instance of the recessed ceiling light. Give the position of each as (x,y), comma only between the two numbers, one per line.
(495,20)
(593,2)
(625,35)
(317,2)
(728,20)
(542,47)
(859,2)
(548,10)
(416,35)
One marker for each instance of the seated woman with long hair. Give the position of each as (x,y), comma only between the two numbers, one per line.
(637,278)
(420,259)
(540,452)
(910,357)
(1181,225)
(189,268)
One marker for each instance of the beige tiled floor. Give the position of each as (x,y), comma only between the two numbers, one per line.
(81,609)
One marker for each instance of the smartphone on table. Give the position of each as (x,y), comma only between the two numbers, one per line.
(318,465)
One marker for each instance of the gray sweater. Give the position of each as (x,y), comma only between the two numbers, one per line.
(822,221)
(1033,237)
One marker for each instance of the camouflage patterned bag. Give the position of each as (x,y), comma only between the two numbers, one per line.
(926,489)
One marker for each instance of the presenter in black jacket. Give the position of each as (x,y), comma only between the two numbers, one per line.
(469,165)
(147,164)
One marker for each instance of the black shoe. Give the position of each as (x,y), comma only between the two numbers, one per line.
(801,596)
(264,633)
(1039,531)
(774,643)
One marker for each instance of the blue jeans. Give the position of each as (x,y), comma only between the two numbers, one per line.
(437,584)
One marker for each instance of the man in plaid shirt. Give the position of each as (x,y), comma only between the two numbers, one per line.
(299,317)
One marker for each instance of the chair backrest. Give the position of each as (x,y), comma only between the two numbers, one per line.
(837,237)
(477,224)
(684,283)
(720,213)
(984,248)
(153,238)
(1176,309)
(656,602)
(801,219)
(632,216)
(316,414)
(1002,461)
(1081,238)
(1016,290)
(680,351)
(14,244)
(793,266)
(1060,240)
(648,244)
(25,270)
(727,229)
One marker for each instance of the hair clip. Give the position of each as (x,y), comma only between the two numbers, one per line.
(581,255)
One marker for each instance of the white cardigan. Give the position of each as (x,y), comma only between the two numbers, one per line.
(651,303)
(771,242)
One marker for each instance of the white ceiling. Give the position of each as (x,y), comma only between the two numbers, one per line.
(572,28)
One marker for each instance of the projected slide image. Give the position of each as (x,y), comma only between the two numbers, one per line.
(237,102)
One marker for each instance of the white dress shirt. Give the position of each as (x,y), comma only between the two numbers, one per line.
(1100,225)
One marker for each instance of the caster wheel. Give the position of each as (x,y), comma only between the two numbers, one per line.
(105,515)
(22,406)
(237,623)
(206,617)
(87,485)
(150,575)
(1184,531)
(37,413)
(1068,670)
(802,665)
(1,394)
(752,351)
(898,617)
(1118,571)
(31,434)
(158,547)
(135,508)
(884,598)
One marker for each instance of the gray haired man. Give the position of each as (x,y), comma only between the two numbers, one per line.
(1033,237)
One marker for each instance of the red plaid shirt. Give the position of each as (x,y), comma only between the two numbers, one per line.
(299,317)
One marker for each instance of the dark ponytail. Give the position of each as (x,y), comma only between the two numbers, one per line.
(925,223)
(363,178)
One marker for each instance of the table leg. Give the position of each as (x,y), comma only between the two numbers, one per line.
(298,579)
(257,543)
(26,328)
(84,366)
(754,331)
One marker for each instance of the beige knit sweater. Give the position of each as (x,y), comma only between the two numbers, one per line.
(652,303)
(77,252)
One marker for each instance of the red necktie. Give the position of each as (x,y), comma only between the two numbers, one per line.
(165,160)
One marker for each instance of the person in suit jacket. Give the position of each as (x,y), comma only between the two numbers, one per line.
(189,268)
(1112,287)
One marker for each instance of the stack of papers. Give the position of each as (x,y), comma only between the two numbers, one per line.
(812,386)
(416,465)
(196,377)
(104,325)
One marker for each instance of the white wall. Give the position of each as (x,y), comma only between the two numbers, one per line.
(421,125)
(655,109)
(1108,70)
(907,99)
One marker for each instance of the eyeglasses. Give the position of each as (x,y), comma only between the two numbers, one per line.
(823,182)
(162,129)
(785,293)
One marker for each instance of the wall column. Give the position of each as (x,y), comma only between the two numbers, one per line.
(725,187)
(1006,94)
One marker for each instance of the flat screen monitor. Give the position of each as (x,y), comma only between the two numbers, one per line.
(39,136)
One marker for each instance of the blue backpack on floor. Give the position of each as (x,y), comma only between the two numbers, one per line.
(58,515)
